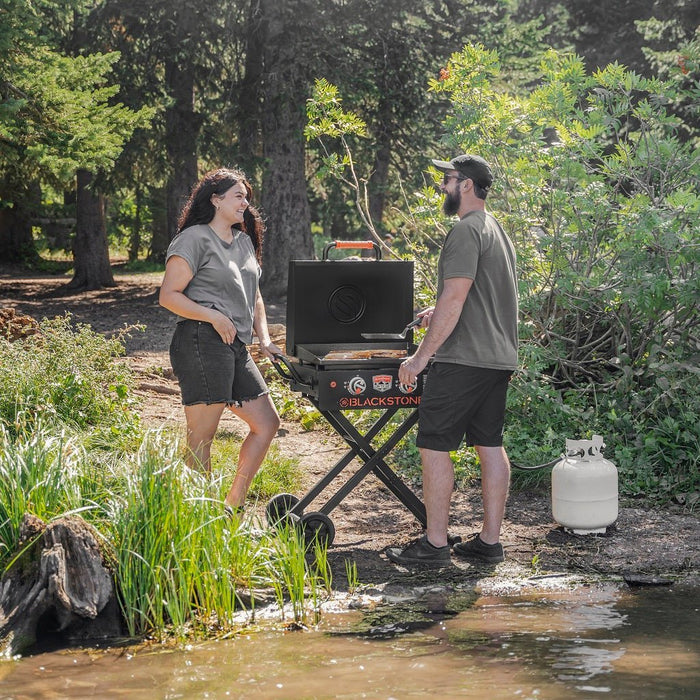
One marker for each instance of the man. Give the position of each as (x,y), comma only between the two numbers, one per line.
(473,335)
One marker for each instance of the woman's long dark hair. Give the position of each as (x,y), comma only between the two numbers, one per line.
(199,210)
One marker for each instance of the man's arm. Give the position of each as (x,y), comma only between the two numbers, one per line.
(443,321)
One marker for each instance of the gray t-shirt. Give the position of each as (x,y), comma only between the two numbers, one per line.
(225,277)
(486,334)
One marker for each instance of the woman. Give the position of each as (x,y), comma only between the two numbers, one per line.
(211,279)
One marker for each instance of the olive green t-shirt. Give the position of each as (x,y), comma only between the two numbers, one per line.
(225,275)
(486,334)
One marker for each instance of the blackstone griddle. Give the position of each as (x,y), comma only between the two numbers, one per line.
(334,307)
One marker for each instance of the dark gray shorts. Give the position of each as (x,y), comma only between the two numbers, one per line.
(461,401)
(209,371)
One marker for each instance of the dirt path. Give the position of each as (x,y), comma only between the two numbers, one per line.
(642,544)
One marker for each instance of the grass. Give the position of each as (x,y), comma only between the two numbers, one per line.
(180,564)
(71,443)
(277,474)
(40,474)
(138,266)
(351,576)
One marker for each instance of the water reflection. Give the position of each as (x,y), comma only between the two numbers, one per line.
(559,636)
(580,644)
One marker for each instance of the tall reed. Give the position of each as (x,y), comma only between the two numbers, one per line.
(40,473)
(157,527)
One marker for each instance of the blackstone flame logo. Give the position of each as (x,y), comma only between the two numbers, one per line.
(408,388)
(356,386)
(381,382)
(347,304)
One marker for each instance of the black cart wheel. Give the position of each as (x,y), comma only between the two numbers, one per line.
(278,508)
(317,527)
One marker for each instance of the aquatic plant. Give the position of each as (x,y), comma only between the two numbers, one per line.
(351,575)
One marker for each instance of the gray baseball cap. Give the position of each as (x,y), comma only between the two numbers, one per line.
(473,167)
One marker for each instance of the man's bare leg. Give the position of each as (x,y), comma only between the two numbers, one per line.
(495,480)
(438,483)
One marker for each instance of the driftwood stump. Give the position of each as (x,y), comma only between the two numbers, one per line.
(59,584)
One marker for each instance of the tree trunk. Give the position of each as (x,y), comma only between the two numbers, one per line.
(59,584)
(160,238)
(182,126)
(16,240)
(248,110)
(284,197)
(380,175)
(382,159)
(135,236)
(92,269)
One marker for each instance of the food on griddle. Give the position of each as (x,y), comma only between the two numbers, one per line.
(368,354)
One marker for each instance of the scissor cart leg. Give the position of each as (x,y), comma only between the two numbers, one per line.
(374,461)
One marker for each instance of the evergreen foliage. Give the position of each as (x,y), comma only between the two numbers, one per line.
(57,112)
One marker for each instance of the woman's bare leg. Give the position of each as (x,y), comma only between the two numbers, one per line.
(202,422)
(263,421)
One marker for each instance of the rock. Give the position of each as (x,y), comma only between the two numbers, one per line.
(634,580)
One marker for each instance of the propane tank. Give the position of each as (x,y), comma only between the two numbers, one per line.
(584,488)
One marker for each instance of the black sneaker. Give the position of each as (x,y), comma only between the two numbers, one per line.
(420,553)
(476,548)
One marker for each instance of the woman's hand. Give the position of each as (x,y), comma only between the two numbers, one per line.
(270,350)
(223,325)
(177,276)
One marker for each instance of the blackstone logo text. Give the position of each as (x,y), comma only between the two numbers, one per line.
(378,401)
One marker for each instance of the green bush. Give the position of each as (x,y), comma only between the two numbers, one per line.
(68,375)
(596,184)
(599,193)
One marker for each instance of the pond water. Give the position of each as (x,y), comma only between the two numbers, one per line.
(603,640)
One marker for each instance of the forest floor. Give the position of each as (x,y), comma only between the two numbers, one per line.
(645,546)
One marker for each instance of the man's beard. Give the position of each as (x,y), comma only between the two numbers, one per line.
(451,204)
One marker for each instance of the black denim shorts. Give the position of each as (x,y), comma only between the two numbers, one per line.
(461,401)
(209,371)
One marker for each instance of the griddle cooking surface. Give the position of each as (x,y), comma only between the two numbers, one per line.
(397,353)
